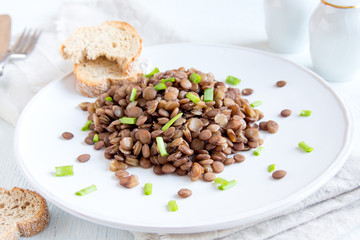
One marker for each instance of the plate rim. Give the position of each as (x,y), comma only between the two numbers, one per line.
(258,214)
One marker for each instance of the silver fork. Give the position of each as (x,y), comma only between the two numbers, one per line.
(22,48)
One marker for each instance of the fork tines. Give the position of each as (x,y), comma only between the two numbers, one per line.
(26,42)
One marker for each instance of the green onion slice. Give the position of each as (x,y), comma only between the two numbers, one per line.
(258,151)
(271,167)
(86,126)
(161,146)
(127,120)
(148,189)
(87,190)
(256,103)
(194,77)
(208,95)
(133,95)
(305,147)
(96,138)
(169,123)
(168,80)
(220,181)
(305,113)
(232,80)
(64,171)
(156,70)
(109,99)
(192,97)
(228,185)
(160,86)
(173,207)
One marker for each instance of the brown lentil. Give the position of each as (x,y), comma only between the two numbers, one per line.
(281,83)
(99,145)
(285,112)
(129,181)
(209,176)
(217,167)
(121,173)
(83,158)
(67,135)
(278,174)
(184,193)
(272,126)
(247,91)
(239,158)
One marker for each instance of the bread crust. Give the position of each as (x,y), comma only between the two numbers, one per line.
(29,226)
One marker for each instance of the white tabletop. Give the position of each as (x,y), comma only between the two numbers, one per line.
(236,22)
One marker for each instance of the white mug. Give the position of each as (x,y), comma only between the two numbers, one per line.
(287,24)
(335,40)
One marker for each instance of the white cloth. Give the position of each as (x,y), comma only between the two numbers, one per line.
(330,212)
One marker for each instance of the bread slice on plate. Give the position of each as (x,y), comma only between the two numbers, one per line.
(95,77)
(114,40)
(22,213)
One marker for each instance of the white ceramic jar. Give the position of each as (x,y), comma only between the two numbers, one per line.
(287,24)
(335,40)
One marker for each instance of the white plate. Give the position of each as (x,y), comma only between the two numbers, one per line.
(39,148)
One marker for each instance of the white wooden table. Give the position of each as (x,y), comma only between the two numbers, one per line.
(237,16)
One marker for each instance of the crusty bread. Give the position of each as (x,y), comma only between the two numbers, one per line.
(95,77)
(116,41)
(22,213)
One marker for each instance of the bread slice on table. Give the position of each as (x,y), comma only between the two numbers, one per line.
(116,41)
(95,77)
(22,213)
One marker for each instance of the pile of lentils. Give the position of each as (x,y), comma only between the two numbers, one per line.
(197,143)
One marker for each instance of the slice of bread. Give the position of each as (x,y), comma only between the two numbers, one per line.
(116,41)
(95,77)
(22,213)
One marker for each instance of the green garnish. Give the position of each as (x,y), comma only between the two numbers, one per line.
(173,207)
(161,146)
(227,185)
(64,171)
(127,120)
(256,103)
(156,70)
(160,86)
(87,190)
(258,151)
(109,99)
(208,95)
(232,80)
(168,80)
(192,97)
(271,167)
(148,189)
(305,147)
(220,181)
(169,123)
(86,126)
(305,113)
(96,138)
(133,95)
(194,77)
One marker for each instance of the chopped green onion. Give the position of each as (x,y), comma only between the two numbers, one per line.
(258,151)
(168,80)
(169,123)
(87,190)
(305,147)
(227,185)
(194,77)
(271,167)
(173,207)
(232,80)
(220,181)
(208,95)
(160,86)
(192,97)
(148,189)
(64,171)
(305,113)
(156,70)
(109,99)
(86,126)
(96,138)
(133,95)
(161,146)
(256,103)
(127,120)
